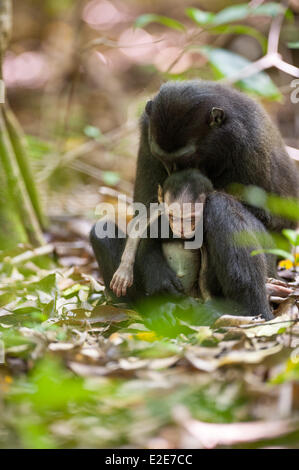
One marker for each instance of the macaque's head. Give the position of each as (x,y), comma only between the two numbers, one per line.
(184,118)
(184,194)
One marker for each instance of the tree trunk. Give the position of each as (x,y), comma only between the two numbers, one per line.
(20,213)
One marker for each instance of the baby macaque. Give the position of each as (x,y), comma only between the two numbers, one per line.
(222,267)
(181,200)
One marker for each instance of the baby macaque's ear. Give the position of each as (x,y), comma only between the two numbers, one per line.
(217,117)
(160,194)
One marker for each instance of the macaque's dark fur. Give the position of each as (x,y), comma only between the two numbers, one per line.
(245,147)
(232,271)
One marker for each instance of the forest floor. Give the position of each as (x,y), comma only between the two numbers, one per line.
(81,372)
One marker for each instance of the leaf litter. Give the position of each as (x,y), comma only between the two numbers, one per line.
(82,372)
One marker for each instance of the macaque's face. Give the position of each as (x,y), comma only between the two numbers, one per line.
(183,214)
(178,123)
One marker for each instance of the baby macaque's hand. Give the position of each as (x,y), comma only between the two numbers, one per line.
(122,279)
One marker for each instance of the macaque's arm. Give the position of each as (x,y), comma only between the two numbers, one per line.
(123,276)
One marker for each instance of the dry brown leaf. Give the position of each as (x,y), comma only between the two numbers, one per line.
(163,363)
(87,370)
(269,328)
(287,307)
(248,356)
(100,314)
(206,365)
(239,356)
(132,363)
(233,320)
(55,347)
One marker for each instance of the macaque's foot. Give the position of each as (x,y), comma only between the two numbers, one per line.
(122,279)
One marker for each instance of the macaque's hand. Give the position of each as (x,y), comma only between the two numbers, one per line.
(122,279)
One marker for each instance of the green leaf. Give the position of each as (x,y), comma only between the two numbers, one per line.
(172,318)
(293,45)
(148,18)
(275,251)
(292,236)
(74,289)
(27,316)
(92,132)
(291,372)
(200,17)
(7,298)
(232,13)
(37,148)
(285,207)
(12,338)
(111,178)
(226,64)
(277,205)
(46,284)
(242,11)
(241,29)
(269,9)
(52,388)
(289,15)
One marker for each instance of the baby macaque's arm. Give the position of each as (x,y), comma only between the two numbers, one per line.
(123,276)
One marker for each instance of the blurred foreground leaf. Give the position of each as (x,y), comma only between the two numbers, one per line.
(225,64)
(292,236)
(234,13)
(291,371)
(293,45)
(51,387)
(146,19)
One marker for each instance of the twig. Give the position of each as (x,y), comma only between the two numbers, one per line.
(293,321)
(271,59)
(287,68)
(274,34)
(28,255)
(251,69)
(109,43)
(189,42)
(107,141)
(98,174)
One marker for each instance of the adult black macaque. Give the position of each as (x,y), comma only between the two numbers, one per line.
(230,139)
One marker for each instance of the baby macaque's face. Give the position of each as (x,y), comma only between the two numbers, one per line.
(184,211)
